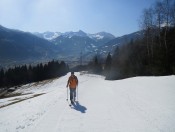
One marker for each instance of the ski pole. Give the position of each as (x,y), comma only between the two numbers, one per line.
(77,93)
(67,93)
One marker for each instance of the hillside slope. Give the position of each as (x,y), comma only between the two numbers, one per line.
(17,47)
(139,104)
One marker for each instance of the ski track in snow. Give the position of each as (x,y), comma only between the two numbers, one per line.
(139,104)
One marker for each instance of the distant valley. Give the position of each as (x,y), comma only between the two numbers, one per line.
(18,47)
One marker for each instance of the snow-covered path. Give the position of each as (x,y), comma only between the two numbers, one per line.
(140,104)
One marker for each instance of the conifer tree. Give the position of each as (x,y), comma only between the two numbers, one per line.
(108,62)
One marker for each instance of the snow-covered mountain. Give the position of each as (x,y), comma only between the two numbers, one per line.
(90,44)
(70,34)
(138,104)
(74,43)
(17,45)
(101,35)
(48,35)
(111,45)
(97,36)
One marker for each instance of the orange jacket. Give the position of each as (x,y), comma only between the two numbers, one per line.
(72,81)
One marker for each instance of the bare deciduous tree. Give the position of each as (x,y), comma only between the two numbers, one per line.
(147,25)
(172,14)
(166,13)
(158,12)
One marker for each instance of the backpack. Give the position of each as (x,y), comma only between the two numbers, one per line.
(73,81)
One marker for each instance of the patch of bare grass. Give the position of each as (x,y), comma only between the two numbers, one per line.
(13,95)
(20,100)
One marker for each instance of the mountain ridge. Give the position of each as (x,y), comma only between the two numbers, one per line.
(70,34)
(17,46)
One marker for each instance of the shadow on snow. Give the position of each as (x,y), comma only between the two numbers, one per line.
(79,107)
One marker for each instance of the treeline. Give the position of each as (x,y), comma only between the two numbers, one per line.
(133,59)
(154,54)
(27,74)
(94,66)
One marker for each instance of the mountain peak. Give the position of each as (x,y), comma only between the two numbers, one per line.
(48,35)
(101,35)
(106,34)
(81,33)
(78,33)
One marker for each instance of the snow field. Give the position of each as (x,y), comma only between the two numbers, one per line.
(139,104)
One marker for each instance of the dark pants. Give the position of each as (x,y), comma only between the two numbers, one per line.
(72,94)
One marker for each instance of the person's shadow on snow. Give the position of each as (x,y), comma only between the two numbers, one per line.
(79,107)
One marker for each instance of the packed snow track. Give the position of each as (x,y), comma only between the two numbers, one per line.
(138,104)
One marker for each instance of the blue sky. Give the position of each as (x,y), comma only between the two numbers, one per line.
(118,17)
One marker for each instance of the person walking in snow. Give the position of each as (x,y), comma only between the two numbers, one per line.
(72,83)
